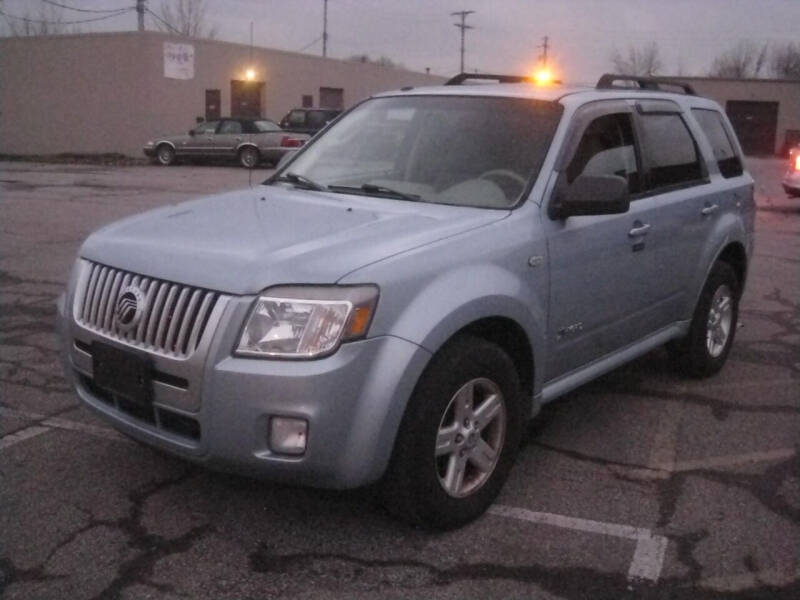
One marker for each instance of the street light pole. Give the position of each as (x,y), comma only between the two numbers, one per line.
(325,29)
(140,10)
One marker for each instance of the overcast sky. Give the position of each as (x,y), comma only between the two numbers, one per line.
(420,33)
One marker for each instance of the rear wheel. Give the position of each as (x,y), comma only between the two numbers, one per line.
(165,154)
(705,348)
(249,157)
(458,438)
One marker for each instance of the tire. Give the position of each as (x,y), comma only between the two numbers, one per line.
(705,348)
(165,155)
(249,157)
(446,471)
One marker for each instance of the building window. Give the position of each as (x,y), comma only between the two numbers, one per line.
(308,100)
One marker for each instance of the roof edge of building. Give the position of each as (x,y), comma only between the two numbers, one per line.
(188,39)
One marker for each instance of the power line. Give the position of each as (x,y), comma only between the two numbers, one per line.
(84,10)
(307,46)
(29,20)
(166,24)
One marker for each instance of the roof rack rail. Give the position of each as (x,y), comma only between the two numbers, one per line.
(462,77)
(607,81)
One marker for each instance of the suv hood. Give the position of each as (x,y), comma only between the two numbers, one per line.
(244,241)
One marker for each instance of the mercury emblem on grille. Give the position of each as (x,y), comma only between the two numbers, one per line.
(130,307)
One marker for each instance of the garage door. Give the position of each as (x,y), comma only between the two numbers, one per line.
(755,123)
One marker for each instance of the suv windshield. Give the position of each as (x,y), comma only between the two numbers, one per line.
(468,151)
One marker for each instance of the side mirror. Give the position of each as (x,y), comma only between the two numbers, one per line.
(592,195)
(191,132)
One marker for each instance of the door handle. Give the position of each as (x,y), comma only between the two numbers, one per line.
(709,209)
(639,230)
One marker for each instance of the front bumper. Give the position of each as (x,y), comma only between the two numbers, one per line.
(149,151)
(353,402)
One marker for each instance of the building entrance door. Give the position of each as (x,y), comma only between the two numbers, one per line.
(246,98)
(755,123)
(212,105)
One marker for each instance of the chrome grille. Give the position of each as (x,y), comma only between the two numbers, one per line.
(174,318)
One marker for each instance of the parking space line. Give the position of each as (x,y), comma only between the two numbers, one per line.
(665,439)
(648,557)
(103,432)
(743,581)
(732,460)
(46,423)
(22,435)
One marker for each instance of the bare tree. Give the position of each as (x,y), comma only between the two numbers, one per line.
(49,21)
(786,61)
(644,61)
(187,17)
(745,60)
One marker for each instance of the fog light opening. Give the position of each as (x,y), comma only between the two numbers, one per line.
(288,435)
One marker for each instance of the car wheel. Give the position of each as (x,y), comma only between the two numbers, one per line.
(705,348)
(458,437)
(165,154)
(249,157)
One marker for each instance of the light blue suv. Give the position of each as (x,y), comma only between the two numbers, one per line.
(403,295)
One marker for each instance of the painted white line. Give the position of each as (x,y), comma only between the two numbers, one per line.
(575,523)
(665,437)
(648,558)
(21,436)
(59,423)
(733,460)
(743,581)
(103,432)
(21,414)
(734,385)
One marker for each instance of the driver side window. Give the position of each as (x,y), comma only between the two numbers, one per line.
(607,148)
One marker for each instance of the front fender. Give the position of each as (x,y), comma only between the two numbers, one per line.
(427,295)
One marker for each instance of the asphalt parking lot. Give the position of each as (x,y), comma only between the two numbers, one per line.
(642,484)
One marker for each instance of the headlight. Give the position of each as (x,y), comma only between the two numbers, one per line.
(307,321)
(150,143)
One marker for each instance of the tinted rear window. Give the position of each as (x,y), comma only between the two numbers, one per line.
(672,154)
(710,121)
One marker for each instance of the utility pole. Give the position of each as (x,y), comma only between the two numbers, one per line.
(325,29)
(463,27)
(140,9)
(544,47)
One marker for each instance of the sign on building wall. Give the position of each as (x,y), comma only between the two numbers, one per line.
(178,61)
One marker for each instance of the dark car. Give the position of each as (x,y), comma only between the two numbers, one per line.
(308,120)
(248,140)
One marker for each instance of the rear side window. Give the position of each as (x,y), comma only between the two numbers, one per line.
(710,121)
(297,117)
(671,152)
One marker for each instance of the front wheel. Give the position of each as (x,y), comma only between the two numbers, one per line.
(705,348)
(458,438)
(165,154)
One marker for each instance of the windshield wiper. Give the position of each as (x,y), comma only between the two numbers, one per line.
(302,181)
(371,188)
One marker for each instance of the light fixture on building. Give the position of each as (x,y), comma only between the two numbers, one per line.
(250,74)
